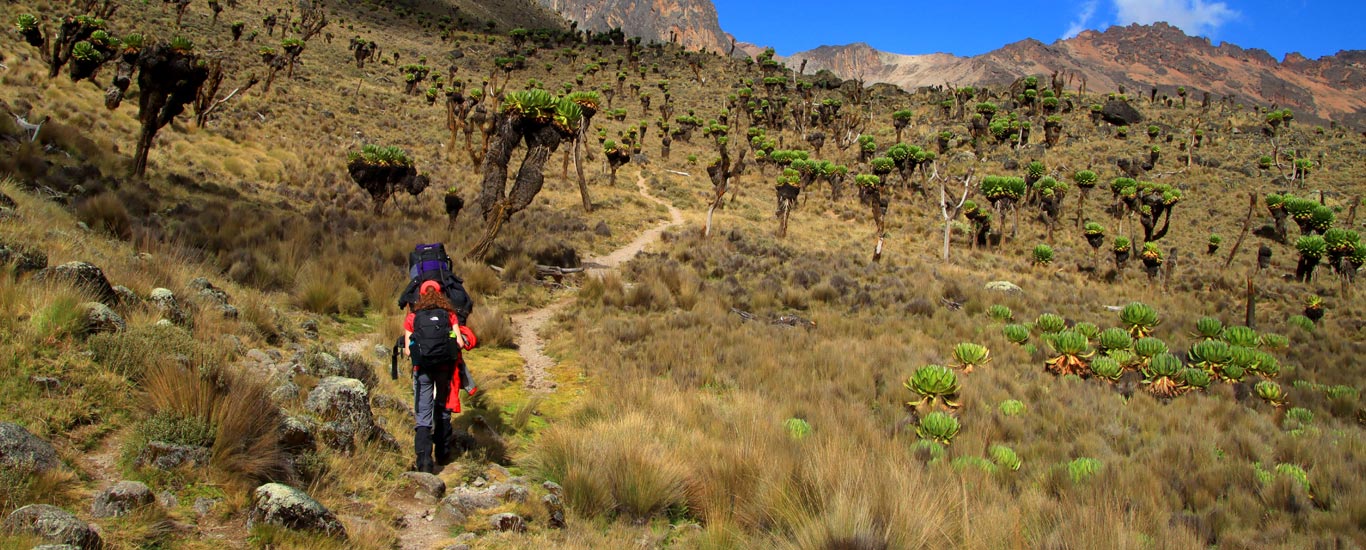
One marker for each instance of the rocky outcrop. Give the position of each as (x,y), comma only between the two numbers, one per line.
(165,302)
(52,524)
(99,318)
(285,506)
(691,23)
(121,498)
(23,450)
(344,406)
(1120,113)
(168,456)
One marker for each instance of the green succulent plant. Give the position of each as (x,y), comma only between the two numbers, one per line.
(1273,341)
(1089,330)
(1210,354)
(1302,322)
(1113,339)
(934,384)
(1017,334)
(999,312)
(26,22)
(1124,357)
(1267,365)
(1085,179)
(1071,350)
(1011,407)
(1297,474)
(797,428)
(85,51)
(1121,244)
(1149,347)
(1139,318)
(1240,336)
(1043,254)
(1049,323)
(1195,378)
(1161,375)
(1209,327)
(1005,457)
(1107,368)
(378,155)
(1270,392)
(970,356)
(938,427)
(1093,228)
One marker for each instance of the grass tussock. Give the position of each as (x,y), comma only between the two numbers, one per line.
(493,327)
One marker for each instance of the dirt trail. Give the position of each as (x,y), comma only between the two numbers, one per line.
(529,324)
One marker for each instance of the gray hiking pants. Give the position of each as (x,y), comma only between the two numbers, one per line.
(430,391)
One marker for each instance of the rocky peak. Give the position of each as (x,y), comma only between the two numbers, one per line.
(692,23)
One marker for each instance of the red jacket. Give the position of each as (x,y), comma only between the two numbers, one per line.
(452,398)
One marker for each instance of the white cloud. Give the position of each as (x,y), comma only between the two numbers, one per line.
(1193,16)
(1088,9)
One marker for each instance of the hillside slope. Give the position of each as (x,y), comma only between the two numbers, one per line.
(1137,57)
(690,23)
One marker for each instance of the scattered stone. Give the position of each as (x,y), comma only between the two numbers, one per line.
(1120,113)
(285,506)
(209,292)
(382,352)
(202,505)
(554,508)
(25,259)
(85,276)
(21,449)
(310,328)
(285,392)
(602,230)
(346,403)
(48,383)
(167,499)
(507,522)
(229,312)
(99,318)
(7,202)
(323,365)
(53,524)
(56,547)
(167,456)
(339,436)
(126,296)
(1004,286)
(165,302)
(123,497)
(296,434)
(553,488)
(427,487)
(389,403)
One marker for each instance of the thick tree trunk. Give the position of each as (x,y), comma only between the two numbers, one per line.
(495,167)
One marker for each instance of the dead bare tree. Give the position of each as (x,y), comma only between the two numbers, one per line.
(951,212)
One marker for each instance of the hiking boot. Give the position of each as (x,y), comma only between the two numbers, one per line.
(441,444)
(422,445)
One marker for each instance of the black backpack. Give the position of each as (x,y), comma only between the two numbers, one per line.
(429,262)
(431,344)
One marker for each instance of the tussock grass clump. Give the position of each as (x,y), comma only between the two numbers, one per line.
(493,328)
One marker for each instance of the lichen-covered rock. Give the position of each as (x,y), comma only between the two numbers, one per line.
(165,302)
(462,502)
(121,498)
(285,392)
(25,259)
(554,508)
(296,434)
(21,449)
(339,436)
(424,486)
(284,506)
(323,364)
(52,524)
(346,403)
(507,522)
(99,318)
(127,298)
(84,276)
(167,456)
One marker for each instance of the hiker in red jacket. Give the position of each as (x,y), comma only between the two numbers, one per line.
(434,338)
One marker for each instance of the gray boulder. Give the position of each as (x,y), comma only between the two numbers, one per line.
(285,392)
(323,364)
(1004,286)
(339,436)
(346,403)
(99,318)
(424,486)
(167,456)
(21,449)
(25,259)
(462,502)
(285,506)
(296,434)
(127,297)
(1120,113)
(123,497)
(52,524)
(165,301)
(554,508)
(85,276)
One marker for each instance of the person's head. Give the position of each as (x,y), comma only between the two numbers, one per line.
(429,296)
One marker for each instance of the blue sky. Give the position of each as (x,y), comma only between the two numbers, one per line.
(1312,27)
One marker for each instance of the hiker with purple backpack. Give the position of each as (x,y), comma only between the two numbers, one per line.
(434,336)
